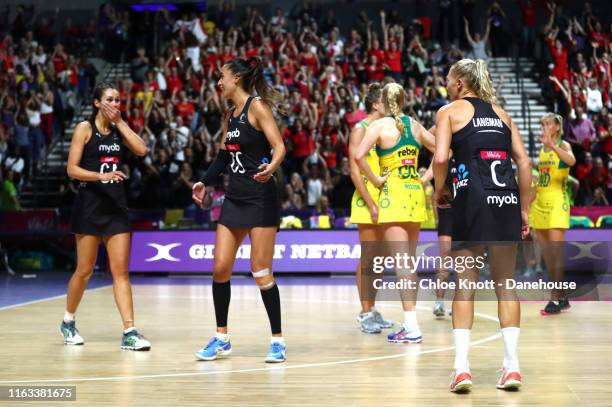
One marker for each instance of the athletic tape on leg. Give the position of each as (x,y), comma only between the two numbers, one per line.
(267,286)
(261,273)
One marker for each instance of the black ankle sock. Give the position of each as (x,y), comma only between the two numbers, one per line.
(222,292)
(271,300)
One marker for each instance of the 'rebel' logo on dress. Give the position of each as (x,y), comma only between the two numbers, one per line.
(163,252)
(107,149)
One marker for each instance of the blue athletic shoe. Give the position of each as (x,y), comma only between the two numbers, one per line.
(276,353)
(405,336)
(384,323)
(215,348)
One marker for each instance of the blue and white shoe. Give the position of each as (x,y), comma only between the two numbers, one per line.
(70,333)
(405,336)
(133,340)
(277,353)
(368,324)
(438,309)
(215,348)
(383,323)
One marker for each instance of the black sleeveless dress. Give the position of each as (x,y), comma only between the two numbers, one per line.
(486,207)
(248,203)
(100,207)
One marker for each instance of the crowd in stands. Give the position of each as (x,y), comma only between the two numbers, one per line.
(322,73)
(576,79)
(172,99)
(42,81)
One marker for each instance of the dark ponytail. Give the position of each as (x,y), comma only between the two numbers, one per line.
(97,95)
(252,78)
(372,96)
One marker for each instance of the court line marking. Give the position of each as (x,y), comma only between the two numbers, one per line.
(55,297)
(262,369)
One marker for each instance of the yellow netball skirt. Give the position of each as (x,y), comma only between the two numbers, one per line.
(401,201)
(550,211)
(359,210)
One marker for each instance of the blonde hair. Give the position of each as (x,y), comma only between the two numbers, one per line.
(557,119)
(475,76)
(393,96)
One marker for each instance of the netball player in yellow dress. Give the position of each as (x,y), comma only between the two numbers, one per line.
(401,203)
(550,211)
(364,209)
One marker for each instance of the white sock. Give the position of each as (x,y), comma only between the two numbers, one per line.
(462,345)
(222,337)
(68,316)
(127,331)
(511,335)
(410,321)
(278,339)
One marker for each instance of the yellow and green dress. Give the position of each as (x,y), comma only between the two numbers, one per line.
(359,210)
(551,208)
(430,223)
(401,198)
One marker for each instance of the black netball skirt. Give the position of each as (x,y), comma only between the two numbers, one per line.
(99,215)
(445,221)
(262,212)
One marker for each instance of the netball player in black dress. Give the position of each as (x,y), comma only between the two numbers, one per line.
(487,206)
(100,211)
(251,203)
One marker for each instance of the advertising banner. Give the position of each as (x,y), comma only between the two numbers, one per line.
(335,251)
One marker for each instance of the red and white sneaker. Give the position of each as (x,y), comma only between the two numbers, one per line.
(461,383)
(509,380)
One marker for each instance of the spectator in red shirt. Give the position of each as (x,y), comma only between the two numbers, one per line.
(559,54)
(184,107)
(529,31)
(174,81)
(598,177)
(59,58)
(310,60)
(374,48)
(302,141)
(598,37)
(287,70)
(329,153)
(392,62)
(136,120)
(583,169)
(374,70)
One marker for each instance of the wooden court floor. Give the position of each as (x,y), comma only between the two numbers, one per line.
(565,360)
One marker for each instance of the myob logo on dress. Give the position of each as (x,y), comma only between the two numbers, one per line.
(108,149)
(500,201)
(232,134)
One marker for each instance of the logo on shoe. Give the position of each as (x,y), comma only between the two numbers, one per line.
(108,149)
(500,201)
